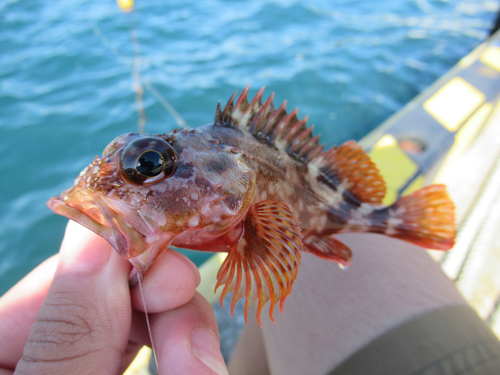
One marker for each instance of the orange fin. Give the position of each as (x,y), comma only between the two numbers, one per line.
(263,264)
(328,247)
(350,164)
(425,217)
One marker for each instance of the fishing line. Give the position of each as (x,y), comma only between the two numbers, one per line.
(137,78)
(139,279)
(164,102)
(136,75)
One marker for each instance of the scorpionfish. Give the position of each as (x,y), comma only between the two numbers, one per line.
(256,184)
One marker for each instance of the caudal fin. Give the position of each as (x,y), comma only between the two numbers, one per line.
(425,218)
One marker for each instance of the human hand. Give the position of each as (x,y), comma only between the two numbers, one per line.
(84,319)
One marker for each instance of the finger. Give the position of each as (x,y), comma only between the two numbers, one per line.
(139,332)
(169,283)
(83,324)
(18,309)
(187,340)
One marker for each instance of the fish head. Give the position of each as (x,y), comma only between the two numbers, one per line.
(148,192)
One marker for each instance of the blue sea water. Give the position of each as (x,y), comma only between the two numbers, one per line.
(66,86)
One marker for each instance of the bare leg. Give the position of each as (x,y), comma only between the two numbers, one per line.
(249,356)
(332,313)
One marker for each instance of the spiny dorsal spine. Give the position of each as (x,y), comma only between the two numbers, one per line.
(347,164)
(279,128)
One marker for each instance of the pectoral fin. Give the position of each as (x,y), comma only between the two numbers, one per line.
(263,264)
(328,247)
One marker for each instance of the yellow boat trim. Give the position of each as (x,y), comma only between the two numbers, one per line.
(454,103)
(491,57)
(465,136)
(395,166)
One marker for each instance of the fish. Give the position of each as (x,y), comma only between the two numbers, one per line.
(255,184)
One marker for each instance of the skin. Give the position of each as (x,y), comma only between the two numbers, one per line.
(76,314)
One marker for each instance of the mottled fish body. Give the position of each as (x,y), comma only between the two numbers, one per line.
(256,184)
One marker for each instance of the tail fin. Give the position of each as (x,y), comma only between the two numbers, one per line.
(425,218)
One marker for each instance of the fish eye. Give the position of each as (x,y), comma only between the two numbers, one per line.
(147,161)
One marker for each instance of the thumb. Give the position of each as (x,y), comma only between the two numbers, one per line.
(84,322)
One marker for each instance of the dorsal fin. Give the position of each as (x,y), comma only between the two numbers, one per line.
(351,166)
(347,164)
(276,126)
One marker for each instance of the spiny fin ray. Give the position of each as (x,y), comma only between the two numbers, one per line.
(268,123)
(263,265)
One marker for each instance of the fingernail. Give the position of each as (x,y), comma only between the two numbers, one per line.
(82,250)
(206,348)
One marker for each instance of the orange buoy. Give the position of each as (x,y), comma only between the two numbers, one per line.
(125,5)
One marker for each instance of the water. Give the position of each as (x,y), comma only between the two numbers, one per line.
(66,88)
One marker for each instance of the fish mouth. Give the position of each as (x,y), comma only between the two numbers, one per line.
(88,209)
(116,222)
